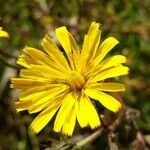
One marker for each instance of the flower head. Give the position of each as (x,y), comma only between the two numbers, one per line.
(3,33)
(65,83)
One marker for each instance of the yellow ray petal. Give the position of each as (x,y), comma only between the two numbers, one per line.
(63,37)
(104,48)
(45,101)
(32,94)
(82,116)
(48,70)
(41,104)
(25,83)
(37,93)
(66,39)
(23,62)
(21,106)
(93,36)
(76,56)
(26,59)
(109,73)
(3,33)
(84,53)
(32,107)
(73,43)
(42,72)
(64,111)
(34,74)
(90,44)
(53,51)
(44,117)
(106,100)
(110,62)
(67,42)
(108,86)
(39,100)
(86,113)
(113,61)
(32,56)
(91,114)
(69,124)
(37,56)
(94,40)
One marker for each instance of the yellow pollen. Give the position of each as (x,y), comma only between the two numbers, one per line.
(77,81)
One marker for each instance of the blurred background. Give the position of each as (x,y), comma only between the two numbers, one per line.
(27,21)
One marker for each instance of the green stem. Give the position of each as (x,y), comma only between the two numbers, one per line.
(89,138)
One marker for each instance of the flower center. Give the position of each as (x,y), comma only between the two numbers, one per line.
(77,81)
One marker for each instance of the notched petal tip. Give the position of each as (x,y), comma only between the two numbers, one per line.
(118,107)
(66,133)
(96,126)
(25,48)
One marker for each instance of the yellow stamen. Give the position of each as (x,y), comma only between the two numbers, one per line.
(76,81)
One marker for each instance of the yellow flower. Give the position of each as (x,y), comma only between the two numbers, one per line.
(65,83)
(3,33)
